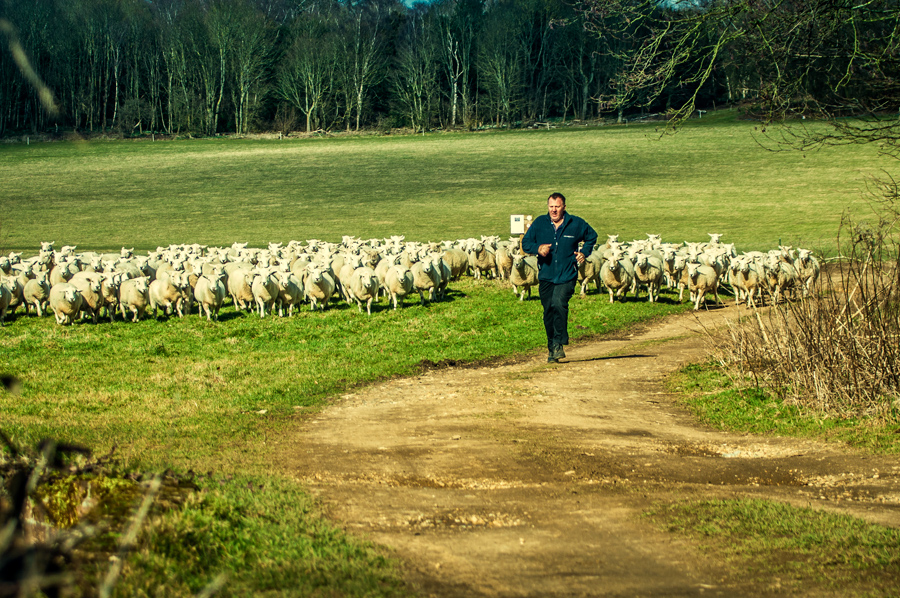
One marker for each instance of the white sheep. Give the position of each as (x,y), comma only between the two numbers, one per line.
(5,296)
(91,291)
(166,293)
(65,301)
(239,287)
(808,269)
(63,272)
(16,285)
(399,283)
(37,293)
(458,262)
(134,296)
(210,293)
(589,271)
(290,292)
(617,274)
(504,259)
(648,271)
(781,276)
(701,280)
(425,278)
(747,279)
(445,274)
(109,287)
(523,275)
(319,286)
(265,291)
(362,287)
(483,261)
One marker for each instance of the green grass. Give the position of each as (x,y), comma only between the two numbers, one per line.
(190,394)
(265,538)
(187,393)
(780,548)
(712,176)
(738,405)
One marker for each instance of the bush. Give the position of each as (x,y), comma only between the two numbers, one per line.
(835,352)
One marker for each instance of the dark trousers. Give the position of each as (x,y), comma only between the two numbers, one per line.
(555,300)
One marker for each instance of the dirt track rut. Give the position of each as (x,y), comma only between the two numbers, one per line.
(528,479)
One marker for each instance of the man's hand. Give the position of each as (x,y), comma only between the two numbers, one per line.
(544,250)
(579,257)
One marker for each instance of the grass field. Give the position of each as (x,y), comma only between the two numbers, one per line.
(713,176)
(188,394)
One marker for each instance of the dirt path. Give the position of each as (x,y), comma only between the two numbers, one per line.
(529,479)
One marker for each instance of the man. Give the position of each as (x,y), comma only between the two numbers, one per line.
(554,237)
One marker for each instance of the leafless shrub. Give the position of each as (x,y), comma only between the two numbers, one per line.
(835,353)
(39,542)
(285,119)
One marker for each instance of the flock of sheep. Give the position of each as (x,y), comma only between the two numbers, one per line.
(281,277)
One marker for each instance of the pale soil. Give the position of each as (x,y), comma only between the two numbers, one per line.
(529,479)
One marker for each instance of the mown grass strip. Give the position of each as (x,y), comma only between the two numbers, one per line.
(713,176)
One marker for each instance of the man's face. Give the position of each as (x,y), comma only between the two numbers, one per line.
(556,208)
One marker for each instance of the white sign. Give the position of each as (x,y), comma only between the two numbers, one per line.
(517,224)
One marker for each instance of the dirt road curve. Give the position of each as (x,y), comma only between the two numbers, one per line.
(528,479)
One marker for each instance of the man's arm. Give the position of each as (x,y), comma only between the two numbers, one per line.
(529,241)
(590,240)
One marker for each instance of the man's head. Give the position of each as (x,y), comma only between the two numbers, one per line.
(556,206)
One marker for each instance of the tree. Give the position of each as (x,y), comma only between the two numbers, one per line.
(363,60)
(415,71)
(250,59)
(827,58)
(458,22)
(307,74)
(500,61)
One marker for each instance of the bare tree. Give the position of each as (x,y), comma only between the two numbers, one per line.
(250,59)
(364,59)
(415,72)
(500,62)
(307,73)
(457,22)
(828,58)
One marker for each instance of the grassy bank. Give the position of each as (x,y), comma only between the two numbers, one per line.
(784,550)
(727,403)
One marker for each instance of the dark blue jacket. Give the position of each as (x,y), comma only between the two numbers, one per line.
(560,266)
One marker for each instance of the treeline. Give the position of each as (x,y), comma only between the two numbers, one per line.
(237,66)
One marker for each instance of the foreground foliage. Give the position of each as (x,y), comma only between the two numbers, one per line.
(785,548)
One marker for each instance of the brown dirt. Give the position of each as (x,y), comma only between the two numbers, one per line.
(529,479)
